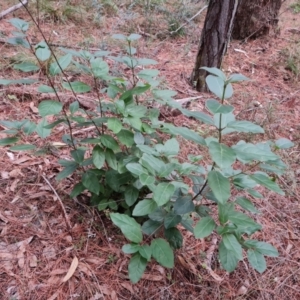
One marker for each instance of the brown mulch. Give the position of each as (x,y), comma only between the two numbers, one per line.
(41,258)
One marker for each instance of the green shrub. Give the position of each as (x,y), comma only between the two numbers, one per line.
(135,174)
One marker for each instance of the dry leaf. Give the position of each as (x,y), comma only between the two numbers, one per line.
(242,290)
(14,185)
(4,175)
(33,108)
(72,269)
(15,173)
(58,272)
(214,275)
(113,295)
(97,296)
(152,277)
(84,268)
(127,286)
(96,260)
(33,261)
(49,252)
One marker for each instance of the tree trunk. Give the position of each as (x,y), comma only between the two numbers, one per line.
(214,39)
(255,18)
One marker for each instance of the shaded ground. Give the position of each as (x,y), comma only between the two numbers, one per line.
(36,246)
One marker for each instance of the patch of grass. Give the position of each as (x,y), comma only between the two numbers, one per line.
(295,7)
(291,58)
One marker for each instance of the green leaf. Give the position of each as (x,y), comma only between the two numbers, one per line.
(114,125)
(134,37)
(174,237)
(74,106)
(152,164)
(136,111)
(119,36)
(91,182)
(131,195)
(49,107)
(248,152)
(41,130)
(67,171)
(136,169)
(78,155)
(145,251)
(42,51)
(18,41)
(215,107)
(129,227)
(17,81)
(63,62)
(115,180)
(245,126)
(198,115)
(243,222)
(226,118)
(144,207)
(76,86)
(146,62)
(162,253)
(111,159)
(187,223)
(257,260)
(45,89)
(228,259)
(215,71)
(222,155)
(109,142)
(246,204)
(19,24)
(103,204)
(219,185)
(255,193)
(204,227)
(284,143)
(24,147)
(26,67)
(146,179)
(139,138)
(148,73)
(99,68)
(184,205)
(237,77)
(98,157)
(186,133)
(171,220)
(126,137)
(150,227)
(265,181)
(77,190)
(8,141)
(262,247)
(216,85)
(136,267)
(171,147)
(231,243)
(158,215)
(29,127)
(163,192)
(130,248)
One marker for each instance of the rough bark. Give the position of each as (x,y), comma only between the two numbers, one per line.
(214,39)
(255,18)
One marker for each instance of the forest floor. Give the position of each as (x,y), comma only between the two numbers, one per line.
(36,246)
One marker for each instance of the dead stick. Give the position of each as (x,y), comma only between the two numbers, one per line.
(61,204)
(13,8)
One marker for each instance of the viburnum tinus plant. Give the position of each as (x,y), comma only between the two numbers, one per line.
(129,162)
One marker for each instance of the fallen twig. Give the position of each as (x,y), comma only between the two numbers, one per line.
(60,202)
(13,8)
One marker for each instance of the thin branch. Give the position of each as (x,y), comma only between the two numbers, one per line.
(13,8)
(188,21)
(60,202)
